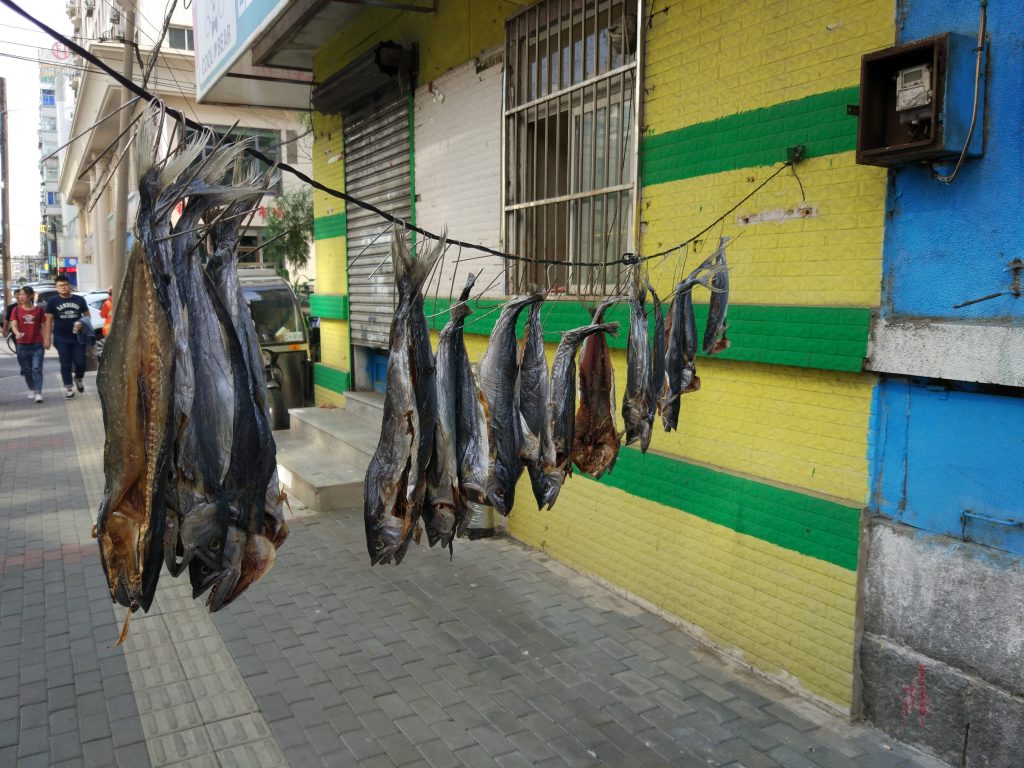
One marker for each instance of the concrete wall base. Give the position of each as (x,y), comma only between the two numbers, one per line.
(940,656)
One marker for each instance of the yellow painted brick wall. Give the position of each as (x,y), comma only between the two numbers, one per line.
(323,395)
(458,31)
(723,58)
(788,614)
(831,259)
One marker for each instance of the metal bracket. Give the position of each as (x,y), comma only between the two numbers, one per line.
(968,514)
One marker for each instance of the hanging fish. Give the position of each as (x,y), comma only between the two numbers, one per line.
(533,389)
(596,442)
(134,383)
(638,401)
(395,483)
(714,331)
(562,405)
(136,387)
(657,356)
(498,373)
(443,487)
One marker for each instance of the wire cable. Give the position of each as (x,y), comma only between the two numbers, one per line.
(628,259)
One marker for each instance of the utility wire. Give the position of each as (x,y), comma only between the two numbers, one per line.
(629,258)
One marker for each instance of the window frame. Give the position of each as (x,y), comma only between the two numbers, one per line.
(565,59)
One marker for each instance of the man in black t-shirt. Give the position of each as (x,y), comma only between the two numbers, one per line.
(64,314)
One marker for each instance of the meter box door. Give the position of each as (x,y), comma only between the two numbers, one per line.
(916,101)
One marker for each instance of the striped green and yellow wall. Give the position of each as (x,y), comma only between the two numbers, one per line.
(332,375)
(744,524)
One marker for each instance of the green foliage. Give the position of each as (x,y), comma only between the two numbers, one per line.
(291,212)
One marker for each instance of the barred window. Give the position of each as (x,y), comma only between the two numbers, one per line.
(570,142)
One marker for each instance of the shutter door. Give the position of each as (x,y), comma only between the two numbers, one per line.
(377,171)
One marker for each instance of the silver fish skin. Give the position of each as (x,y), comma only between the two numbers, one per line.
(714,331)
(437,511)
(680,352)
(534,389)
(562,404)
(658,348)
(498,373)
(443,483)
(395,485)
(638,401)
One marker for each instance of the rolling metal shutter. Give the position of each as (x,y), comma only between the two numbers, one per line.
(377,171)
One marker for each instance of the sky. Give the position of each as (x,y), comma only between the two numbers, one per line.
(19,38)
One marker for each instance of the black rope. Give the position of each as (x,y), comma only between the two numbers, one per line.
(627,259)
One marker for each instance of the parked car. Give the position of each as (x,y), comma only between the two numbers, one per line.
(44,292)
(284,342)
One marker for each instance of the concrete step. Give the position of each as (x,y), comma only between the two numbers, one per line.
(336,433)
(367,405)
(318,478)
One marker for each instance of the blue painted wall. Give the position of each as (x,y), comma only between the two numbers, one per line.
(936,452)
(948,243)
(940,452)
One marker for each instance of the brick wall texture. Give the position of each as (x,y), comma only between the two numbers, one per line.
(743,525)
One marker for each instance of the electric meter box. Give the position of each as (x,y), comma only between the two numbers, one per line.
(916,101)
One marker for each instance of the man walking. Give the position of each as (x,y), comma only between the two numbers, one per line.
(27,324)
(64,313)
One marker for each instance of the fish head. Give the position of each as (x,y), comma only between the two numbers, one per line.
(202,531)
(441,525)
(258,557)
(120,540)
(552,485)
(501,488)
(384,539)
(645,433)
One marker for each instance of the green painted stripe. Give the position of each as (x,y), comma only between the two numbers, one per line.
(754,138)
(825,338)
(333,306)
(325,227)
(814,527)
(330,378)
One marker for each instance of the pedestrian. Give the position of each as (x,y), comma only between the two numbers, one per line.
(28,323)
(107,311)
(64,313)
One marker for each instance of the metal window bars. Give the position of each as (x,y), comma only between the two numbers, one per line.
(569,136)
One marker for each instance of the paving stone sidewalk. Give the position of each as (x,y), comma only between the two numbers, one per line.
(501,657)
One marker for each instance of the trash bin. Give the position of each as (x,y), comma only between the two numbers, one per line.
(481,521)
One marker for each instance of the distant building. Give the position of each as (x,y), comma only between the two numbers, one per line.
(58,248)
(100,28)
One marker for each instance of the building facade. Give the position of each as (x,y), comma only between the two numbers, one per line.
(944,581)
(778,521)
(87,174)
(58,248)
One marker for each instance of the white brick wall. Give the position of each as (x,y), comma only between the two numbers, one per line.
(458,171)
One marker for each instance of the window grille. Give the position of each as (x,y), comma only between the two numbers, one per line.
(265,140)
(570,142)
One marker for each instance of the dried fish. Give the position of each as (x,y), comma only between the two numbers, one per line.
(596,442)
(498,372)
(714,331)
(638,402)
(562,405)
(533,395)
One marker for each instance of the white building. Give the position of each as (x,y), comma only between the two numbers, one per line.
(99,27)
(58,246)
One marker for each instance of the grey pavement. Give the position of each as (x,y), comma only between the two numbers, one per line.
(501,657)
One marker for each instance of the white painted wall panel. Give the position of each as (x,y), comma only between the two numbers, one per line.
(458,171)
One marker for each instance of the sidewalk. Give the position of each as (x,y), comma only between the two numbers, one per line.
(499,658)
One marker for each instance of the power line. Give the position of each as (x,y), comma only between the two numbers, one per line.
(627,259)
